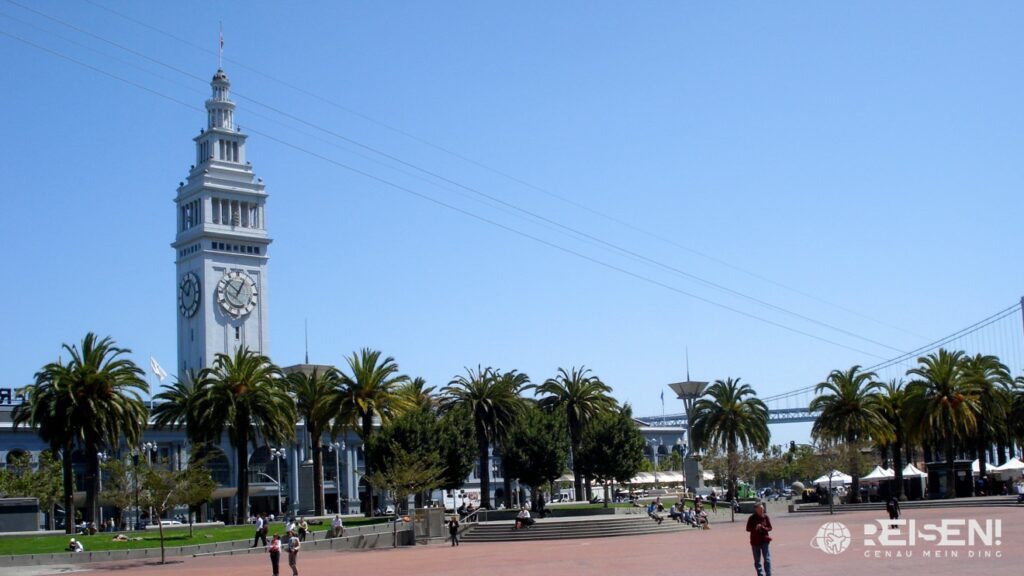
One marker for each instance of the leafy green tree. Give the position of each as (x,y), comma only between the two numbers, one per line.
(407,473)
(536,448)
(990,378)
(317,402)
(122,480)
(21,480)
(849,411)
(729,415)
(614,447)
(247,398)
(457,447)
(369,391)
(943,404)
(493,406)
(47,408)
(582,396)
(164,490)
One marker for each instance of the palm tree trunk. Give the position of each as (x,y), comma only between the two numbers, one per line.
(485,469)
(897,464)
(242,455)
(854,470)
(577,474)
(731,461)
(92,482)
(950,473)
(367,425)
(318,476)
(69,490)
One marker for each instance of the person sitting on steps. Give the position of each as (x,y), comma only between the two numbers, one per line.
(523,519)
(652,511)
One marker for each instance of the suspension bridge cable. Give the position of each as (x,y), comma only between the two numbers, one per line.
(969,330)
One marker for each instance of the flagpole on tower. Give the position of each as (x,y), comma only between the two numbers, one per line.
(220,57)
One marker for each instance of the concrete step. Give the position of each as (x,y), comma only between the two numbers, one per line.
(990,502)
(557,530)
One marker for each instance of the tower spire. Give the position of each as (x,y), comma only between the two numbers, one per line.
(220,57)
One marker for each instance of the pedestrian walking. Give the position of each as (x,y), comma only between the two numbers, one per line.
(759,526)
(893,508)
(293,552)
(275,553)
(713,498)
(453,530)
(261,531)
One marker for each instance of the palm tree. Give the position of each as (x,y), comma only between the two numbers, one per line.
(317,401)
(892,404)
(730,416)
(943,404)
(105,406)
(847,403)
(492,404)
(47,408)
(370,391)
(989,377)
(176,406)
(247,398)
(416,395)
(583,397)
(517,381)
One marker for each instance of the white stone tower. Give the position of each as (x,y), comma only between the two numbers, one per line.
(221,244)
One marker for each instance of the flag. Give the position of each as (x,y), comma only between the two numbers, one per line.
(157,369)
(662,396)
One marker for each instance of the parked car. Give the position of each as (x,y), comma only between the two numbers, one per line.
(170,523)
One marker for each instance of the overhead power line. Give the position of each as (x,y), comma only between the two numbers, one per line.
(529,213)
(446,205)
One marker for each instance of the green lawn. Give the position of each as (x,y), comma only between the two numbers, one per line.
(150,538)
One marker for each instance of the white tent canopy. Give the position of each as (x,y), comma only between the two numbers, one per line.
(838,478)
(1013,467)
(878,474)
(709,475)
(912,471)
(976,467)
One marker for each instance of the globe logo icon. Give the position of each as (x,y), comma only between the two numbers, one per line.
(832,538)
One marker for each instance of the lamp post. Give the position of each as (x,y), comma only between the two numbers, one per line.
(101,457)
(148,448)
(655,442)
(337,448)
(277,454)
(688,392)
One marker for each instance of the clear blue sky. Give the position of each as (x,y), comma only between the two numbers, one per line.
(866,153)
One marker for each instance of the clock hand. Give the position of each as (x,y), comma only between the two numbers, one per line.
(241,285)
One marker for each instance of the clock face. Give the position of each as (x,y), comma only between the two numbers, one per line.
(236,293)
(188,295)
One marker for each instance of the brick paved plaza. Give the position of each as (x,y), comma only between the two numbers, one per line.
(722,550)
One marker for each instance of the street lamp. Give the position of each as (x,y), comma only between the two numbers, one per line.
(101,457)
(148,448)
(337,448)
(278,454)
(655,442)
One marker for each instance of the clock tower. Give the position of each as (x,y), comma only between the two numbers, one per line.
(221,243)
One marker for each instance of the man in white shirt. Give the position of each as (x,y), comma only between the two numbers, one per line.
(523,520)
(337,528)
(261,531)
